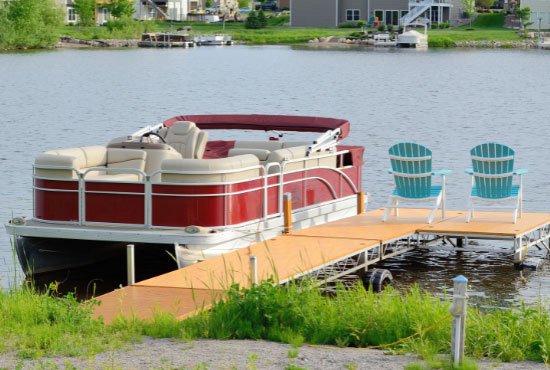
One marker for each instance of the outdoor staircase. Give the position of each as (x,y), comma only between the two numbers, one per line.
(156,7)
(416,12)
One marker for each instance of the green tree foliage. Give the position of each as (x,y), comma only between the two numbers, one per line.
(86,11)
(208,4)
(255,20)
(262,20)
(252,21)
(485,3)
(120,8)
(524,15)
(469,7)
(29,24)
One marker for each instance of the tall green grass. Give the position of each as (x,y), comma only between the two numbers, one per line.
(413,321)
(36,325)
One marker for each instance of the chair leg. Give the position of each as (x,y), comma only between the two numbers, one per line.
(388,210)
(434,210)
(470,214)
(396,209)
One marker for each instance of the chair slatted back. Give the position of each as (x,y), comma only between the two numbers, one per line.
(493,166)
(412,170)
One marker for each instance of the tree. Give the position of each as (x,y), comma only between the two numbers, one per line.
(262,20)
(29,24)
(86,11)
(252,21)
(469,9)
(485,3)
(208,4)
(524,15)
(120,8)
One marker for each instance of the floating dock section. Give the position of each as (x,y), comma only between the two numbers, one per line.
(328,251)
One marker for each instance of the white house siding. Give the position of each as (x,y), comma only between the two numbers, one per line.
(313,13)
(540,10)
(177,10)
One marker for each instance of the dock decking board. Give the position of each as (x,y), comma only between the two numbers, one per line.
(184,291)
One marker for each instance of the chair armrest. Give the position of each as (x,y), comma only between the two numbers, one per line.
(442,172)
(521,171)
(469,171)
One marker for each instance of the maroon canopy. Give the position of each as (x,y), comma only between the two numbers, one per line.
(264,122)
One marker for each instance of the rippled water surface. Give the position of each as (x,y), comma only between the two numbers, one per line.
(449,100)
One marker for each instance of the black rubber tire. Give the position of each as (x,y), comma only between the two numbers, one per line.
(377,278)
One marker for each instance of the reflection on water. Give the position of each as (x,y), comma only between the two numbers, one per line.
(449,100)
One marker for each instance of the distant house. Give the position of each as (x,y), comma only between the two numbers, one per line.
(175,10)
(329,13)
(71,17)
(540,13)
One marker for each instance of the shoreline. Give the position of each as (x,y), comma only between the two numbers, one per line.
(66,42)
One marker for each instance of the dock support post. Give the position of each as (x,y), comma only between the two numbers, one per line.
(130,264)
(360,202)
(458,311)
(287,212)
(253,270)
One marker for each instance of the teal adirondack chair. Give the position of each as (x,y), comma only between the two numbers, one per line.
(411,167)
(492,180)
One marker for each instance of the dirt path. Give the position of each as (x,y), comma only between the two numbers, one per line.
(235,354)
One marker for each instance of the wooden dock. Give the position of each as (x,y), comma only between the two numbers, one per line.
(332,250)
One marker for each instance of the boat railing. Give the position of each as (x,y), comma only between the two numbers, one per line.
(150,180)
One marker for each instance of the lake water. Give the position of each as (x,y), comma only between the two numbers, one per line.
(449,100)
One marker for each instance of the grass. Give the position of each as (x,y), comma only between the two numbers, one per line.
(486,27)
(413,321)
(276,33)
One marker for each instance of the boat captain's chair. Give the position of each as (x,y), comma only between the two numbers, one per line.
(187,139)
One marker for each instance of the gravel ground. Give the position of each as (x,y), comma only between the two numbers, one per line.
(234,354)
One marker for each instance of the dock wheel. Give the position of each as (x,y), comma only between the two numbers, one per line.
(377,278)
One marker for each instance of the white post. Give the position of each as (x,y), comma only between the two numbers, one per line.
(458,311)
(254,270)
(130,260)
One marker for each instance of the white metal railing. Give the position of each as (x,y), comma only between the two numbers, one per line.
(419,7)
(148,182)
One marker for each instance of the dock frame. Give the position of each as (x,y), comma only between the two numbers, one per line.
(328,252)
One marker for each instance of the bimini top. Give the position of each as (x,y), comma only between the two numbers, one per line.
(264,122)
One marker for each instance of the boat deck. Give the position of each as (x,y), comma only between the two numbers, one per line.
(290,256)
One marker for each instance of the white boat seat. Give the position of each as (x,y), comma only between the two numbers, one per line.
(262,154)
(299,152)
(202,139)
(216,166)
(84,158)
(182,136)
(267,145)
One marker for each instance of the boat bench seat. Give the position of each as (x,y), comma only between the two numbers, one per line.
(222,169)
(262,149)
(114,160)
(294,153)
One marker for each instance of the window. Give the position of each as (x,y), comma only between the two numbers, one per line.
(379,14)
(352,15)
(71,15)
(392,17)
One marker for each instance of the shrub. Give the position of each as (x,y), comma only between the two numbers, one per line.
(390,27)
(29,24)
(381,28)
(440,42)
(86,11)
(348,25)
(361,23)
(252,21)
(262,20)
(126,28)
